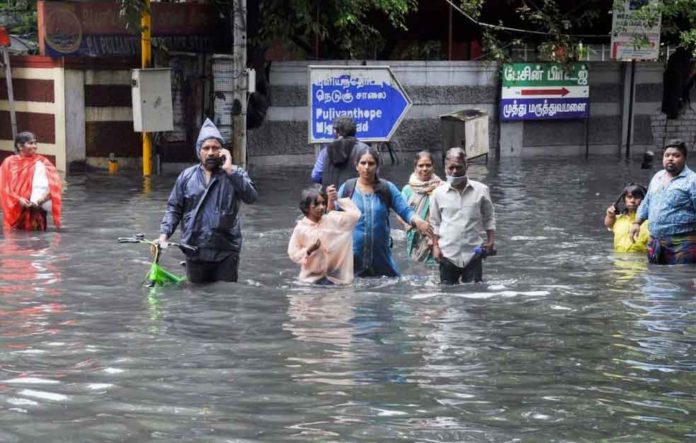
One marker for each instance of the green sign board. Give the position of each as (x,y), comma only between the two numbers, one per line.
(540,91)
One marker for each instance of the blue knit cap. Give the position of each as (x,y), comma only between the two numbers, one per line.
(208,131)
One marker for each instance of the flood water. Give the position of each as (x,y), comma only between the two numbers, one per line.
(565,341)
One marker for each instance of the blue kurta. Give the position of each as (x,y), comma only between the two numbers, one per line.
(371,236)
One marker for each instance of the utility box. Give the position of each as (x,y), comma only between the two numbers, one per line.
(152,100)
(467,128)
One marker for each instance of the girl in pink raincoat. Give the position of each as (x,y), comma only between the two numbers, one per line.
(322,242)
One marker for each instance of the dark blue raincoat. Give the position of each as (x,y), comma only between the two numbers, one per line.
(209,213)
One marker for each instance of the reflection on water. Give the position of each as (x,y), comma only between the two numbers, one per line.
(565,341)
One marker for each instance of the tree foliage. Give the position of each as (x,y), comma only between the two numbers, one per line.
(678,21)
(560,28)
(344,28)
(19,16)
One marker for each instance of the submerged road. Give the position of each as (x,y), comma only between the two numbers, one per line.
(565,341)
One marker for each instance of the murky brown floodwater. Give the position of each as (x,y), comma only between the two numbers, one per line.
(565,341)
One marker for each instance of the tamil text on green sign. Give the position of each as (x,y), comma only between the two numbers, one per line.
(542,91)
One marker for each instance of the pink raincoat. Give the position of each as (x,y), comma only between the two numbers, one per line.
(334,258)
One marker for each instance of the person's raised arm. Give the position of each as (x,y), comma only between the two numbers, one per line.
(610,217)
(349,214)
(332,196)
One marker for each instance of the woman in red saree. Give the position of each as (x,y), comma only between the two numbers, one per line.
(30,187)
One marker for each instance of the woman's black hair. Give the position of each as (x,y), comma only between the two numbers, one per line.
(368,150)
(22,138)
(633,189)
(309,197)
(423,154)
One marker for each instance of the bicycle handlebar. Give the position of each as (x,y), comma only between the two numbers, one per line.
(141,239)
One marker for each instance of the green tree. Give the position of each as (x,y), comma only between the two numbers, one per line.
(343,28)
(559,28)
(19,17)
(678,21)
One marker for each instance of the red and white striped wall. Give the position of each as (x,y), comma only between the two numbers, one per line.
(38,85)
(79,109)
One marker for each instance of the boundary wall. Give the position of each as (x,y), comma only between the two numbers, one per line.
(38,85)
(440,87)
(79,109)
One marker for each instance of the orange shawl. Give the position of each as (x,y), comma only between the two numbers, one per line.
(16,177)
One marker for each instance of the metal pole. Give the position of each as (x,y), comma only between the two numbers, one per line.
(629,134)
(10,91)
(449,35)
(587,125)
(239,108)
(145,62)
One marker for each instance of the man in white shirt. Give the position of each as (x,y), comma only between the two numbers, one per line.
(460,210)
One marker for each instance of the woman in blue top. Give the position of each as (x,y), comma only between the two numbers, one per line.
(374,197)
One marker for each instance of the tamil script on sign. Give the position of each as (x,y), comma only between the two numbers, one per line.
(544,74)
(544,91)
(543,109)
(370,96)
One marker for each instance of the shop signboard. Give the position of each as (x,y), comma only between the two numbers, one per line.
(97,29)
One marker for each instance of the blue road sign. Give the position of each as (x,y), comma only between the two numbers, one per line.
(371,95)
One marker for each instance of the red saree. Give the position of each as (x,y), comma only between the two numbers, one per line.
(16,177)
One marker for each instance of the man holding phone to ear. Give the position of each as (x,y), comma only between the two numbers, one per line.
(206,199)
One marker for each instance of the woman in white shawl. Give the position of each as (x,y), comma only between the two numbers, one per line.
(421,184)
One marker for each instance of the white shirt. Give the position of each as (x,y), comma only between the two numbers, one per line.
(460,218)
(40,186)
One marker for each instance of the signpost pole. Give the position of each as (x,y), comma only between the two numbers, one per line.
(629,132)
(145,62)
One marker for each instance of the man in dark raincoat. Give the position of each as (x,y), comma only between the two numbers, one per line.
(205,199)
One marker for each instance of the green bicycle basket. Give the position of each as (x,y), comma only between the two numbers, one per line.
(158,276)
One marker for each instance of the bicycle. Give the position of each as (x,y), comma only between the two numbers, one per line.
(157,275)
